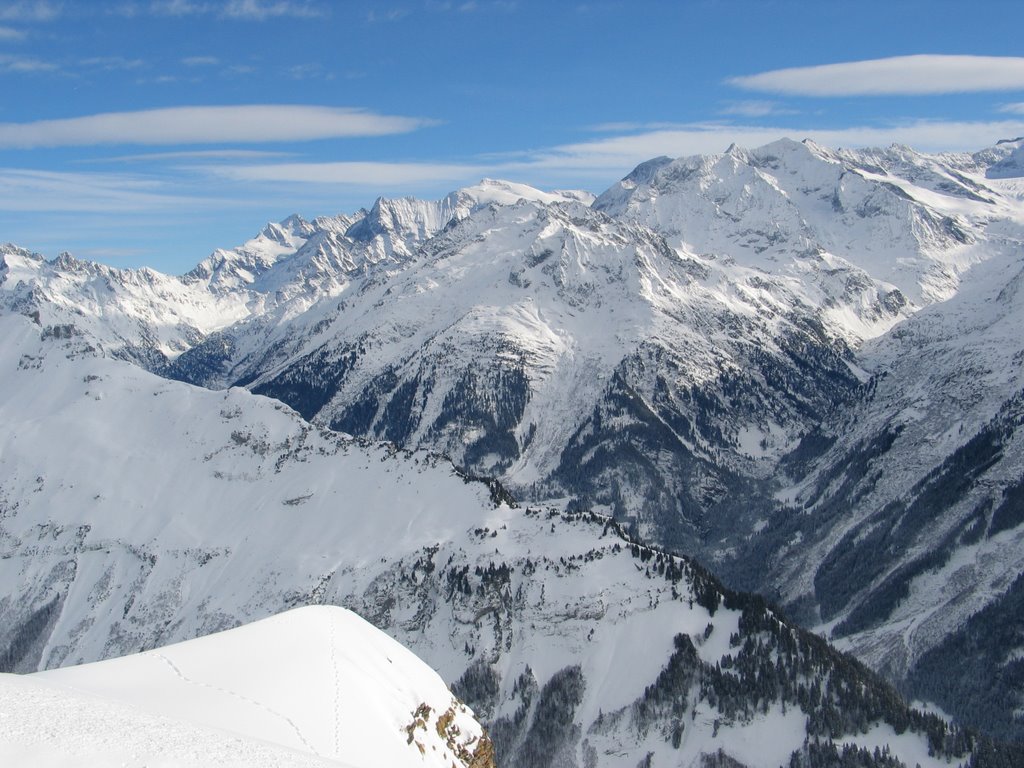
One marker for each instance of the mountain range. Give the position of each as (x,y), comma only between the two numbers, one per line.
(799,365)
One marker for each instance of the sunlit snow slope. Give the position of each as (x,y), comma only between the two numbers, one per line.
(315,686)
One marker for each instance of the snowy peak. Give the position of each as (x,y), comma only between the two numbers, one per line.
(287,232)
(318,682)
(1009,160)
(499,192)
(339,224)
(224,271)
(14,258)
(396,226)
(894,217)
(289,266)
(393,229)
(642,174)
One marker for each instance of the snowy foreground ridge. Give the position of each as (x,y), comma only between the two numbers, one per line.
(313,687)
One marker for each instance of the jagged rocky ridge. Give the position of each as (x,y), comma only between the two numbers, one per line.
(693,356)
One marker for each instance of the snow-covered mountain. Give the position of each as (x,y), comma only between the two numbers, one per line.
(314,686)
(138,512)
(904,517)
(856,225)
(654,363)
(896,524)
(779,359)
(525,339)
(137,315)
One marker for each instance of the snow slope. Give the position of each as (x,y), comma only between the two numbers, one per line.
(315,686)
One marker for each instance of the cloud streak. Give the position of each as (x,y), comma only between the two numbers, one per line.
(26,64)
(899,75)
(112,63)
(200,61)
(32,190)
(29,10)
(207,125)
(205,180)
(756,109)
(348,173)
(199,154)
(260,10)
(248,10)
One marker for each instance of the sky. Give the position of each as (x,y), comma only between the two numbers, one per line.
(149,132)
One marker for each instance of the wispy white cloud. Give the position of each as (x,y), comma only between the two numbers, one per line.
(111,63)
(200,154)
(159,80)
(470,6)
(210,179)
(625,126)
(239,69)
(29,10)
(348,173)
(1013,109)
(756,109)
(200,61)
(250,10)
(390,14)
(259,10)
(10,33)
(32,190)
(179,8)
(603,160)
(26,64)
(898,75)
(308,72)
(126,9)
(207,125)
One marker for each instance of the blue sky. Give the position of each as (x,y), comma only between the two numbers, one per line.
(148,132)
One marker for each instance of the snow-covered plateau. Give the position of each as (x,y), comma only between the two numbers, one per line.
(800,365)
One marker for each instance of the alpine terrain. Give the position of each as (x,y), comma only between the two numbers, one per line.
(501,425)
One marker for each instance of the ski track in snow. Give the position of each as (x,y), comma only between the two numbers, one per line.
(258,704)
